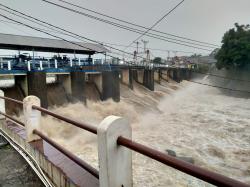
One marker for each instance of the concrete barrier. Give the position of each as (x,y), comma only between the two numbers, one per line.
(115,161)
(32,118)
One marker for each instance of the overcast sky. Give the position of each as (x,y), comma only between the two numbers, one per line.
(204,20)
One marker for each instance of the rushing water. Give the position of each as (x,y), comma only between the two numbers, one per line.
(193,120)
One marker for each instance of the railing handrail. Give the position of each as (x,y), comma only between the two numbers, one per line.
(190,169)
(13,119)
(77,160)
(73,157)
(86,127)
(12,100)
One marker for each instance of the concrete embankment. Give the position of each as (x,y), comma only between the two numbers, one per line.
(233,82)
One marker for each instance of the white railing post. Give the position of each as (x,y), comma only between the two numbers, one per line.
(1,63)
(29,66)
(79,61)
(71,62)
(31,117)
(41,65)
(115,161)
(2,104)
(9,65)
(55,63)
(48,63)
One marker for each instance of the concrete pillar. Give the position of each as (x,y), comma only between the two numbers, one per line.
(22,83)
(65,80)
(32,118)
(37,86)
(148,79)
(157,76)
(135,75)
(115,161)
(110,85)
(2,105)
(77,85)
(176,75)
(130,78)
(127,77)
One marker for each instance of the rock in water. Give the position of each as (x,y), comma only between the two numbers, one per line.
(186,159)
(171,152)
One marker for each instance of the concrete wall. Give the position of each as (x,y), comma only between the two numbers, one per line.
(140,76)
(37,86)
(77,85)
(157,76)
(97,79)
(165,75)
(110,85)
(148,79)
(125,76)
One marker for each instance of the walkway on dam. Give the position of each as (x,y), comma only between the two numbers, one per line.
(15,171)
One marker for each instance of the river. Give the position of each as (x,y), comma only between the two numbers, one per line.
(193,120)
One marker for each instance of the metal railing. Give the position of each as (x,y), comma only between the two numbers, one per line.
(185,167)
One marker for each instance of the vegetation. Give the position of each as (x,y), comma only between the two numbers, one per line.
(157,60)
(235,51)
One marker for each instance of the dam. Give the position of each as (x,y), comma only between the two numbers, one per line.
(163,109)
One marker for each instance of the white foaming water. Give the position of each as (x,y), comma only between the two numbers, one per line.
(194,120)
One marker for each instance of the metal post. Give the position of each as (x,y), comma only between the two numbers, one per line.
(2,105)
(115,161)
(31,117)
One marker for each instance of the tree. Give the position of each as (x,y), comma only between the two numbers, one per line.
(157,60)
(235,50)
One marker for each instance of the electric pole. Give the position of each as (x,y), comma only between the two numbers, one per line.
(145,45)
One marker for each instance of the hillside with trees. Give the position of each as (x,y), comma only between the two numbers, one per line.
(235,50)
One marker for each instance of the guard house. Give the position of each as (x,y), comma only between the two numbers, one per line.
(30,73)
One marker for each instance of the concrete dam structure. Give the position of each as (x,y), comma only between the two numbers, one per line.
(33,89)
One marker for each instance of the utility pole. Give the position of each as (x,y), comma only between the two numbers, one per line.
(168,58)
(137,46)
(145,45)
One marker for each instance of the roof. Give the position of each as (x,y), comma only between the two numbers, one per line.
(29,43)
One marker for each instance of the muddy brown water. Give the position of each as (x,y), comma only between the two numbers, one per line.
(193,120)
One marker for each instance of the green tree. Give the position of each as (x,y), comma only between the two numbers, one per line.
(157,60)
(235,50)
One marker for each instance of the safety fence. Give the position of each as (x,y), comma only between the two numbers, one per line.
(115,145)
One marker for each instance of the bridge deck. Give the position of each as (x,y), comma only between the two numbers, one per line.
(75,173)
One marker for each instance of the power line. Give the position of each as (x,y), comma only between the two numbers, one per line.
(37,29)
(171,40)
(64,30)
(134,24)
(156,23)
(154,49)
